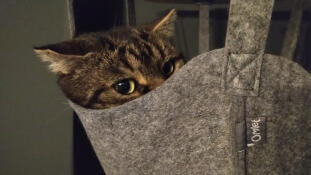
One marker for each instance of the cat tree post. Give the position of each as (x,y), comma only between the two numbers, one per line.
(130,18)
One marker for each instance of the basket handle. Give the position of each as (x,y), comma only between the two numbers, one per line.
(293,30)
(247,32)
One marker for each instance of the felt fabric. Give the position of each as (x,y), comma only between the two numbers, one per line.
(191,125)
(247,32)
(229,111)
(169,130)
(285,102)
(248,26)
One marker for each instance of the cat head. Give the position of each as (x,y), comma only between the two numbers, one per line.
(101,70)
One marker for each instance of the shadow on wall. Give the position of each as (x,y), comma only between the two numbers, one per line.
(90,17)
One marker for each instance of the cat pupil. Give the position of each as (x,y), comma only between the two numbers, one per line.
(125,87)
(168,68)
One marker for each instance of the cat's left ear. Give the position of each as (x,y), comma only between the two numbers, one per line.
(62,57)
(165,25)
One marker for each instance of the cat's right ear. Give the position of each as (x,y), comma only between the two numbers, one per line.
(62,57)
(165,25)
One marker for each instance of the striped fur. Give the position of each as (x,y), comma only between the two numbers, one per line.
(88,66)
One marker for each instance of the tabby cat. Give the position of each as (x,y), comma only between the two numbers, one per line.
(106,69)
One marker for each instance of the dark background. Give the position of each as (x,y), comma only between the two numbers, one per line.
(38,133)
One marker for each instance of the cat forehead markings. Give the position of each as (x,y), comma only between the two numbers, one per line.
(136,74)
(89,65)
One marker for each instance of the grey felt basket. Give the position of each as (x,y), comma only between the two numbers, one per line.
(234,110)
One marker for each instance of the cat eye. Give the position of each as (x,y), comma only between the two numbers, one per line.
(125,87)
(168,68)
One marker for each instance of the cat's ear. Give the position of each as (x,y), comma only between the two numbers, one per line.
(164,25)
(62,57)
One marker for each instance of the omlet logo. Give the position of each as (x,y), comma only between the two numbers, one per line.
(255,131)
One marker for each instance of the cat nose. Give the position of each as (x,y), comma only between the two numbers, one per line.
(146,90)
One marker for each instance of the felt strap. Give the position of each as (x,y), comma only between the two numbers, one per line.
(204,31)
(247,32)
(293,30)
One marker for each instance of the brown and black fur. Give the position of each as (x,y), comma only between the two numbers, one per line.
(89,65)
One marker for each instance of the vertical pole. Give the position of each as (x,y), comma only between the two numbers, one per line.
(130,16)
(71,20)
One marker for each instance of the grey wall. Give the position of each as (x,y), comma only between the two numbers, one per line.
(35,122)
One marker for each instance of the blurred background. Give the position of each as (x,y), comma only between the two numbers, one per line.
(39,135)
